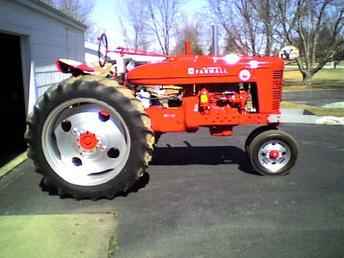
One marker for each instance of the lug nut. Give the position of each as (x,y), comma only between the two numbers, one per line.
(75,131)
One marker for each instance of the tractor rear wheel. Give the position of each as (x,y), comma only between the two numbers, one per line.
(90,138)
(272,152)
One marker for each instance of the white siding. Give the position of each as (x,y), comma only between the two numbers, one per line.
(47,39)
(91,53)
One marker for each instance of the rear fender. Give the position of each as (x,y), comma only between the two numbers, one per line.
(74,67)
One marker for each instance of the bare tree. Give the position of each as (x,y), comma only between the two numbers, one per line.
(137,24)
(266,18)
(78,9)
(223,11)
(248,26)
(189,32)
(93,32)
(124,30)
(251,31)
(163,16)
(316,27)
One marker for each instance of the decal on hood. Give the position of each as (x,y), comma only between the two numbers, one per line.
(206,70)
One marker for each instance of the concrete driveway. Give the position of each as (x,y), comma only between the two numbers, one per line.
(315,97)
(203,200)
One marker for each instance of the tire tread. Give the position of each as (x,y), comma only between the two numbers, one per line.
(102,87)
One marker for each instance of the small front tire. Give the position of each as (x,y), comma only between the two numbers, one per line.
(256,132)
(273,153)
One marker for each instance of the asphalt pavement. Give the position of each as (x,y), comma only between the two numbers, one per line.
(201,199)
(315,97)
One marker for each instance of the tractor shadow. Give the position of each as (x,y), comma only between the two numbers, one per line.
(141,183)
(201,155)
(178,156)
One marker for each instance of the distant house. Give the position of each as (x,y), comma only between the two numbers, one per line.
(32,36)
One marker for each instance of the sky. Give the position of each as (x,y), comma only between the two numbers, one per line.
(106,13)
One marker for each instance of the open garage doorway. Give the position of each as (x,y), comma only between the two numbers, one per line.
(12,100)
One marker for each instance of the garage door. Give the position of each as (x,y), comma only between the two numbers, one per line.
(12,103)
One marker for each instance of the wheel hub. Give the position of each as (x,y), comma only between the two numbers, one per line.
(85,145)
(274,154)
(87,141)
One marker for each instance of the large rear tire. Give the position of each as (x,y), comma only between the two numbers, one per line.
(90,138)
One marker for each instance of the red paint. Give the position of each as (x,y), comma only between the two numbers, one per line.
(206,102)
(85,68)
(138,52)
(104,115)
(221,130)
(88,141)
(205,73)
(187,48)
(274,154)
(71,66)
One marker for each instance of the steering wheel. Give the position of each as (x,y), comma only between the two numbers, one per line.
(102,50)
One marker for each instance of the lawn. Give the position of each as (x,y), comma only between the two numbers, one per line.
(60,236)
(324,79)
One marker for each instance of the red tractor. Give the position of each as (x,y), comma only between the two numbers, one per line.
(93,135)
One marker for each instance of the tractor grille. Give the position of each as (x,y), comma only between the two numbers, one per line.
(277,77)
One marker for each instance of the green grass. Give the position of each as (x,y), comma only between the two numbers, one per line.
(324,79)
(63,236)
(318,111)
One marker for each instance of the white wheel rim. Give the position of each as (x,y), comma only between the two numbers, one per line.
(62,141)
(274,155)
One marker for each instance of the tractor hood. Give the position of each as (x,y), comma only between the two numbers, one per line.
(203,69)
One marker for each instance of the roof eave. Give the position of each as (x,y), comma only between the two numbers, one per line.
(52,12)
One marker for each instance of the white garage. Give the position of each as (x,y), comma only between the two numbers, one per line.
(32,36)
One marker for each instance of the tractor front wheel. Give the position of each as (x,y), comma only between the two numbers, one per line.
(90,138)
(272,152)
(254,134)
